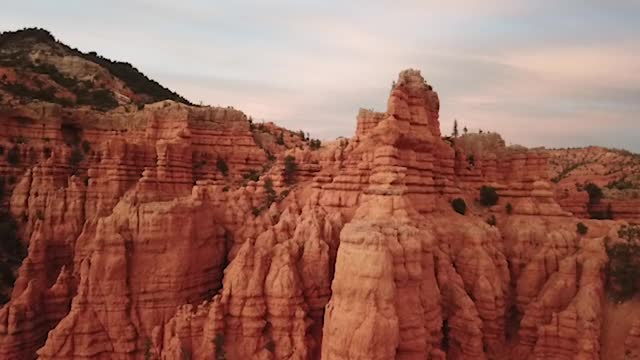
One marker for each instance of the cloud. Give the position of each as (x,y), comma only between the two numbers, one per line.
(617,66)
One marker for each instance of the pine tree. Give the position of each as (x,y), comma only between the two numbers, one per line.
(280,139)
(455,128)
(465,130)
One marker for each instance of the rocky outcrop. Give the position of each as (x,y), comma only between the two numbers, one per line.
(273,296)
(385,276)
(563,320)
(172,232)
(143,260)
(156,158)
(25,321)
(575,202)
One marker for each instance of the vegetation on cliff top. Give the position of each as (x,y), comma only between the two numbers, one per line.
(615,171)
(18,46)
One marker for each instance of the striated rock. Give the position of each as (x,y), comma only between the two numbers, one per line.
(144,260)
(366,318)
(632,343)
(614,171)
(574,333)
(25,320)
(169,231)
(273,296)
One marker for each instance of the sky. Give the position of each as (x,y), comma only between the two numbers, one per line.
(554,73)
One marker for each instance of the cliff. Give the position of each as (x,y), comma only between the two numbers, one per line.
(172,231)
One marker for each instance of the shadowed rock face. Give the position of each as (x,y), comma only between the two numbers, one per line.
(142,244)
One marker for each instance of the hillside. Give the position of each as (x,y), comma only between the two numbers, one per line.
(57,103)
(616,171)
(35,66)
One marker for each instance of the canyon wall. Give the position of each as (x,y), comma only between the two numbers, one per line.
(142,244)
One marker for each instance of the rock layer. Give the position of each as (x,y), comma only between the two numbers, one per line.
(176,232)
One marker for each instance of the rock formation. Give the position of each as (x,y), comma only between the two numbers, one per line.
(169,231)
(614,171)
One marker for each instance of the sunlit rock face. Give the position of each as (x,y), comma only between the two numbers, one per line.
(174,231)
(615,172)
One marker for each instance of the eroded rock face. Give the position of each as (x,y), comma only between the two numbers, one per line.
(145,259)
(616,172)
(147,247)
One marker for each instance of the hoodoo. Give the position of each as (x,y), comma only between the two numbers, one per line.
(147,227)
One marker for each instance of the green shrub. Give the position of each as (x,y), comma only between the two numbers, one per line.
(134,79)
(86,146)
(13,156)
(315,144)
(623,269)
(280,139)
(252,175)
(488,196)
(471,160)
(620,184)
(147,349)
(582,229)
(290,169)
(56,75)
(491,220)
(218,343)
(270,346)
(459,206)
(595,193)
(565,172)
(509,208)
(271,157)
(75,159)
(101,99)
(47,94)
(222,166)
(283,194)
(271,193)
